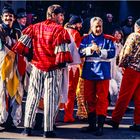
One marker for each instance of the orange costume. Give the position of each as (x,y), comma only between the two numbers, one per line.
(73,79)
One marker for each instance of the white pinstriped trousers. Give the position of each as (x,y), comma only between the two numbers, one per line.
(50,84)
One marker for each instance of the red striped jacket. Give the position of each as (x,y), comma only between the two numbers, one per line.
(45,37)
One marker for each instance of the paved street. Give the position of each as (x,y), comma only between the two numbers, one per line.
(72,131)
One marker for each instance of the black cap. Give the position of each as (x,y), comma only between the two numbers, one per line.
(138,22)
(75,19)
(21,15)
(8,10)
(21,12)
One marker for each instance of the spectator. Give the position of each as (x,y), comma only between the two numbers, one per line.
(116,72)
(109,25)
(21,19)
(128,27)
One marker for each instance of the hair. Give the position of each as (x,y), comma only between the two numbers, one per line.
(109,15)
(92,21)
(56,9)
(138,22)
(122,35)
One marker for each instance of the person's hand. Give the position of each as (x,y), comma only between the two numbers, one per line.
(123,69)
(94,47)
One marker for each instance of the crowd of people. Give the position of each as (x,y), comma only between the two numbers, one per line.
(55,64)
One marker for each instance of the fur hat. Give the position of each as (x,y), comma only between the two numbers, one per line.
(75,19)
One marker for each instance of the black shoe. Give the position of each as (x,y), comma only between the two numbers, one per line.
(101,121)
(7,126)
(10,127)
(92,123)
(3,125)
(112,123)
(49,134)
(88,129)
(27,132)
(54,127)
(135,127)
(38,127)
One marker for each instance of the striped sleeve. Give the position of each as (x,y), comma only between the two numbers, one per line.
(23,44)
(62,50)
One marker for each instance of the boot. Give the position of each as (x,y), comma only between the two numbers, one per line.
(112,123)
(27,131)
(38,121)
(8,125)
(101,120)
(91,122)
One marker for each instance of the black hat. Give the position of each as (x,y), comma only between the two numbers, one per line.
(8,10)
(21,15)
(21,12)
(75,19)
(138,22)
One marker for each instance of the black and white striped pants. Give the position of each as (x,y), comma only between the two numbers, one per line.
(50,84)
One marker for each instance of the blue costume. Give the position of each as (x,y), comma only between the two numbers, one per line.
(96,66)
